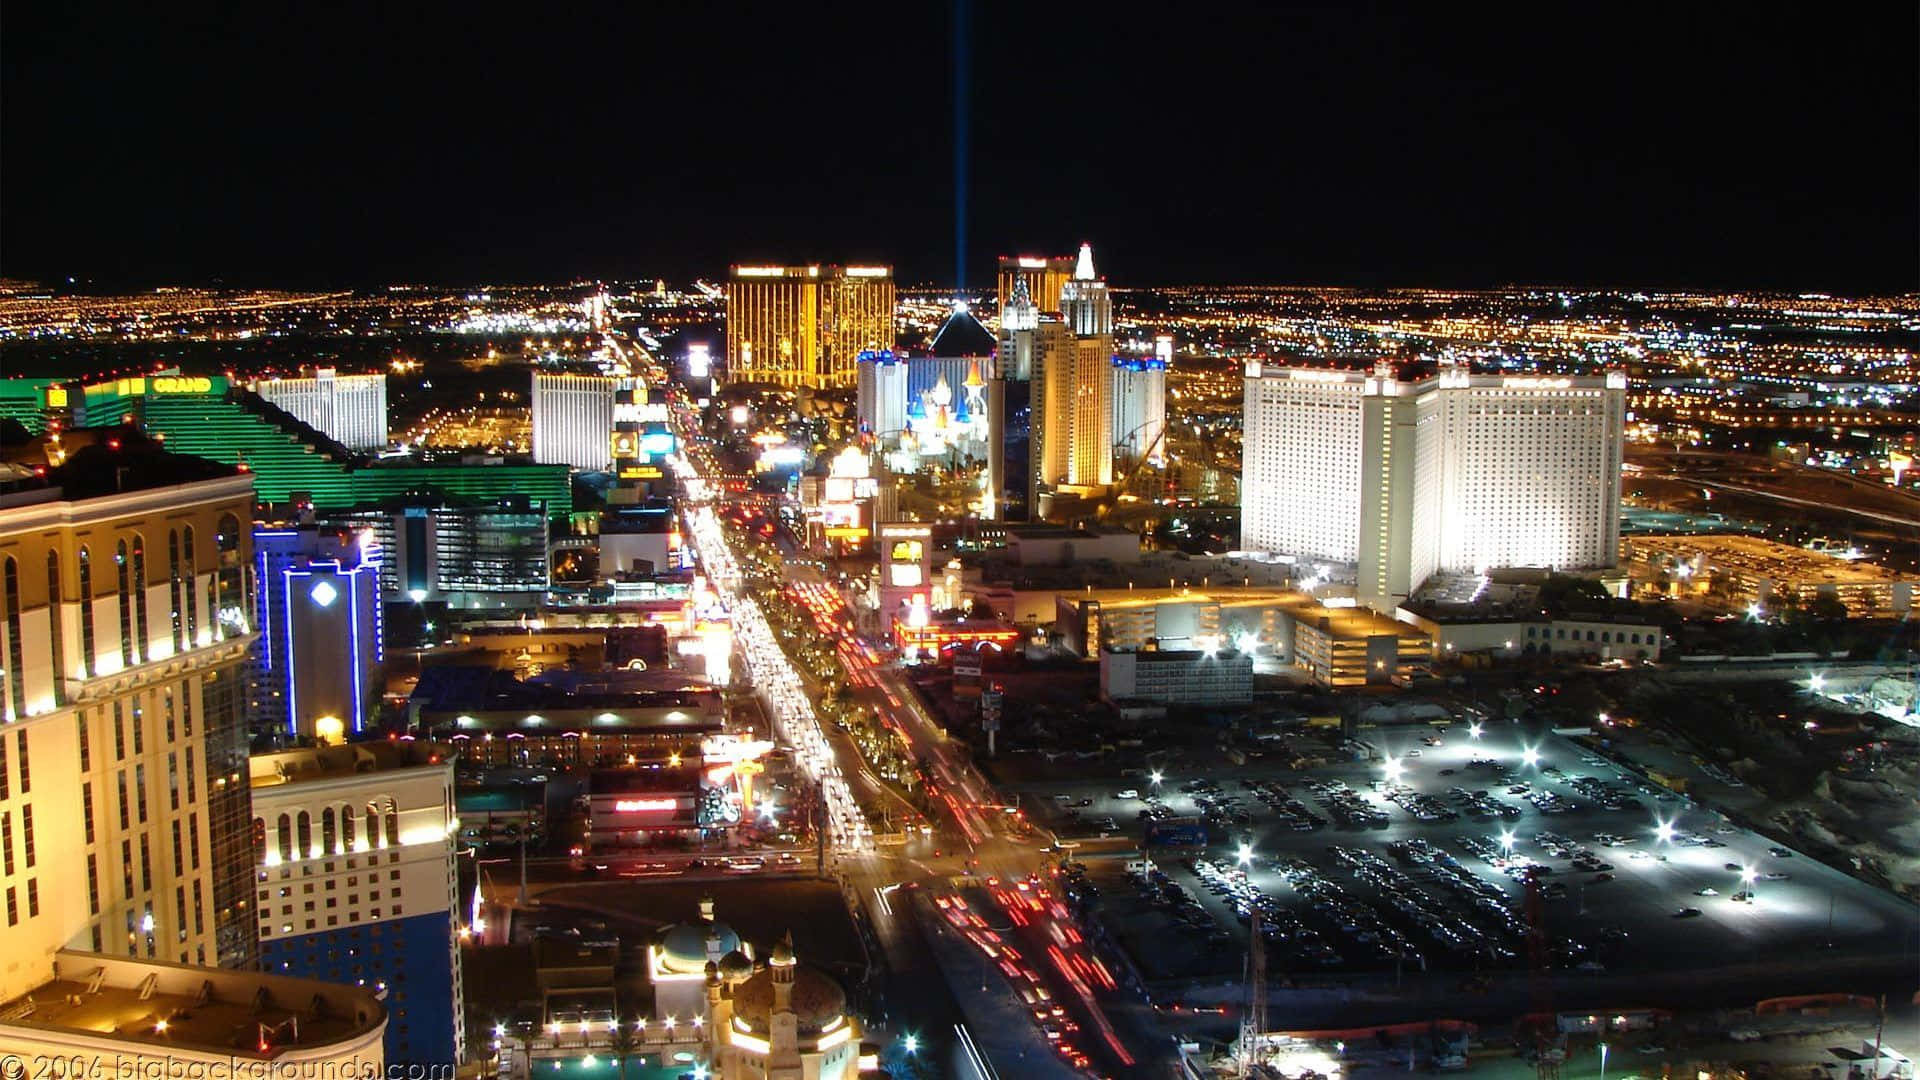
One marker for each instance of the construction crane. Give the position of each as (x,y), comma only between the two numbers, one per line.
(1126,482)
(1547,1053)
(1253,1022)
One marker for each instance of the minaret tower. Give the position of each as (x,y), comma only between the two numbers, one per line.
(783,1041)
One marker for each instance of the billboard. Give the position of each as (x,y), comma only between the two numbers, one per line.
(1185,832)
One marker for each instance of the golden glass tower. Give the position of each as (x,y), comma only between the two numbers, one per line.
(1045,276)
(805,326)
(1073,391)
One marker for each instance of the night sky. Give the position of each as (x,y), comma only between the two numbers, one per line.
(1559,144)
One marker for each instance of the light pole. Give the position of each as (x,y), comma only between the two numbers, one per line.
(1603,1061)
(1748,877)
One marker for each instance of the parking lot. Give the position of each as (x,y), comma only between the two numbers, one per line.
(1418,861)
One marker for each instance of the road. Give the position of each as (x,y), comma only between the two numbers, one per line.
(907,1000)
(970,831)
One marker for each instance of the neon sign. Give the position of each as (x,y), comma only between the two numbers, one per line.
(168,384)
(637,806)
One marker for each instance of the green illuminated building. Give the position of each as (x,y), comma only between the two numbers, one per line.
(207,417)
(25,400)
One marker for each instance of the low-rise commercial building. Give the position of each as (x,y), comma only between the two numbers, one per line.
(1060,545)
(494,720)
(1334,646)
(1177,677)
(1605,638)
(1743,572)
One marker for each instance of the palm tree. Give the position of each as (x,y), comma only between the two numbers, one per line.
(624,1041)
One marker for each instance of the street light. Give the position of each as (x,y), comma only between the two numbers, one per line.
(1530,756)
(910,1042)
(1664,832)
(1603,1061)
(1156,776)
(1748,877)
(1245,853)
(1473,730)
(1394,769)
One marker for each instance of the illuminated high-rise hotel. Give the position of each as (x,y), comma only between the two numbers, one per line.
(349,409)
(1073,384)
(1140,403)
(124,813)
(1044,275)
(1400,479)
(806,326)
(572,420)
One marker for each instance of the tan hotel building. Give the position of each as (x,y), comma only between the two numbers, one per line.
(124,804)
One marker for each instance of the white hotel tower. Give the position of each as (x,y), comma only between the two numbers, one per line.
(349,409)
(1453,472)
(573,420)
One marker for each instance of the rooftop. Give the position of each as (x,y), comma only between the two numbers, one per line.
(478,689)
(1064,532)
(1344,622)
(1783,562)
(112,461)
(818,1002)
(210,1010)
(332,762)
(961,335)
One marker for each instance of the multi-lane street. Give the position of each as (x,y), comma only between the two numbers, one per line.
(970,846)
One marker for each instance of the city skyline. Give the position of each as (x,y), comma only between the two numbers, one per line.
(1315,147)
(1280,541)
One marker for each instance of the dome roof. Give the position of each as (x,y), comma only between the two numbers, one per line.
(683,948)
(817,1000)
(735,964)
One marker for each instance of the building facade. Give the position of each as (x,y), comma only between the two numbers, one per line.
(1402,478)
(1073,385)
(208,417)
(783,1022)
(467,556)
(316,664)
(880,401)
(354,877)
(1177,677)
(804,327)
(1140,406)
(1042,276)
(349,409)
(126,624)
(1012,473)
(1334,646)
(573,420)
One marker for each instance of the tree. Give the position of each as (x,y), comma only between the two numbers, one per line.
(1826,607)
(625,1042)
(1563,592)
